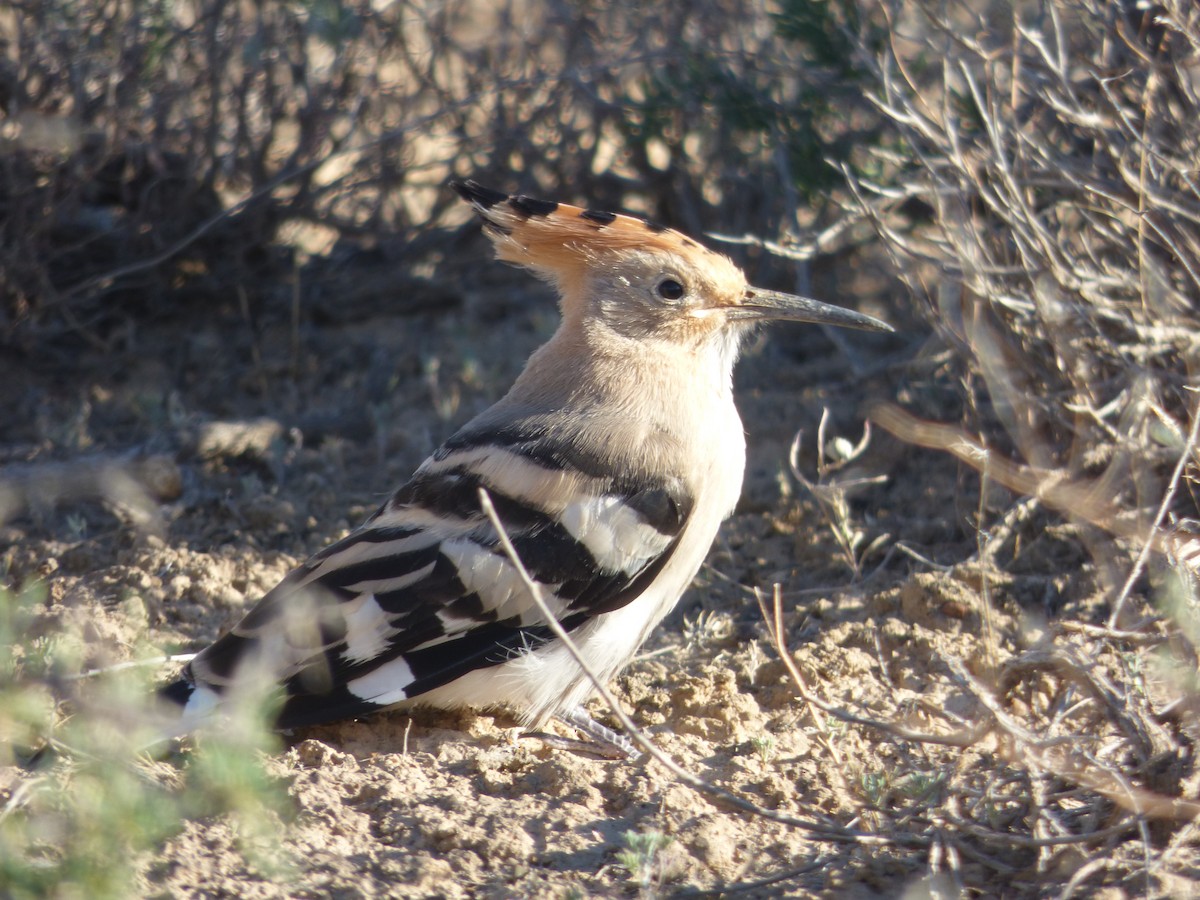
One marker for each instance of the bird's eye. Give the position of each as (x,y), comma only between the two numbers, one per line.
(670,289)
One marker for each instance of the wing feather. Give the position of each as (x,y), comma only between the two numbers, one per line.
(423,594)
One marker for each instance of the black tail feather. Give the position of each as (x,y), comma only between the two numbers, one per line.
(177,692)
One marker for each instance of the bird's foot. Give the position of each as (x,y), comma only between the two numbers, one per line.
(601,740)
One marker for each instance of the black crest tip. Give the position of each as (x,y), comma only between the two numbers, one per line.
(598,216)
(474,192)
(530,206)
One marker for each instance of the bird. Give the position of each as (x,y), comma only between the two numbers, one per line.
(611,463)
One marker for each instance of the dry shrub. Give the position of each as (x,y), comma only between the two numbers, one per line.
(1042,201)
(1053,145)
(158,154)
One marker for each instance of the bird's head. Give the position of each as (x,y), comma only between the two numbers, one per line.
(636,279)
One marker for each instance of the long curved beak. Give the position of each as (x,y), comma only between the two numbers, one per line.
(773,305)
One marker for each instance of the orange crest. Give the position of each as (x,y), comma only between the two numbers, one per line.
(559,240)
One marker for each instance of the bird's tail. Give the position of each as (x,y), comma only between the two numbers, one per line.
(177,693)
(185,705)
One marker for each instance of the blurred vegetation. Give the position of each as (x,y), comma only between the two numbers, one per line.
(90,803)
(154,154)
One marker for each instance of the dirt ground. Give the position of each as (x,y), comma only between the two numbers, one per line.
(271,428)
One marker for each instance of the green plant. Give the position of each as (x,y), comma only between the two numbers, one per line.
(764,745)
(646,859)
(876,787)
(80,800)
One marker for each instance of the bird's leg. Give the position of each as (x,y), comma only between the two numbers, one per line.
(600,740)
(610,744)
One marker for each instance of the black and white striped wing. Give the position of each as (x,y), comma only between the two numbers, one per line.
(423,593)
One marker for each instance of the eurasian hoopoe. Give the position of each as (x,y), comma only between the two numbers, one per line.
(611,463)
